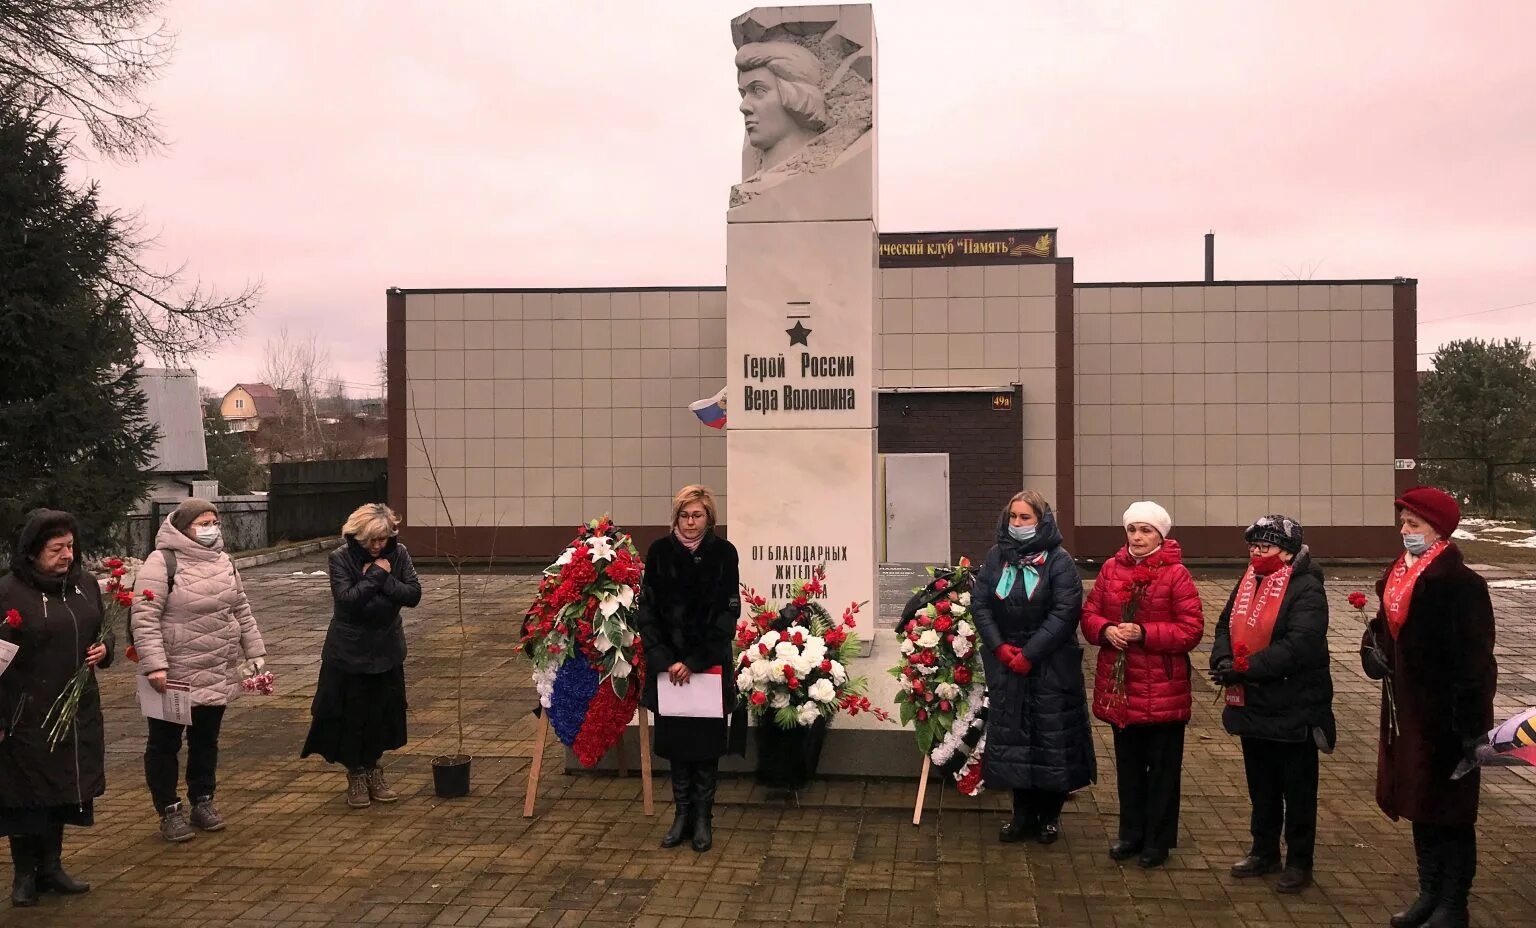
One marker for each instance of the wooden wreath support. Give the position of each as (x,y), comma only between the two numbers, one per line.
(922,791)
(538,764)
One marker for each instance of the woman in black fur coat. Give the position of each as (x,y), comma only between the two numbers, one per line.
(689,603)
(1431,642)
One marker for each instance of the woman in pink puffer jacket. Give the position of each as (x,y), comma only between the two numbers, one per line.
(195,628)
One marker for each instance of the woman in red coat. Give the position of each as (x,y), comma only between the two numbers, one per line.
(1144,611)
(1431,642)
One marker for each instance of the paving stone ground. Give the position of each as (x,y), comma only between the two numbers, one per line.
(295,855)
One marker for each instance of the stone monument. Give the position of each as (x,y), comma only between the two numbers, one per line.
(801,284)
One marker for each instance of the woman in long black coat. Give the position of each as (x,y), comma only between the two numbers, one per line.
(689,603)
(1279,695)
(50,609)
(1027,602)
(358,711)
(1432,643)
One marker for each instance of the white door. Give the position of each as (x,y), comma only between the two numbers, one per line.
(916,488)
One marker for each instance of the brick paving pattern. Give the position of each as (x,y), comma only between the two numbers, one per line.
(847,854)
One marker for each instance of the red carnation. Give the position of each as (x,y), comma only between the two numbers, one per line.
(798,639)
(962,675)
(835,637)
(1142,574)
(942,607)
(113,562)
(13,618)
(944,705)
(944,623)
(762,649)
(941,584)
(917,685)
(759,697)
(799,600)
(1358,600)
(826,666)
(922,715)
(118,572)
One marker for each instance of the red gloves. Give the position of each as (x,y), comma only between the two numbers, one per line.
(1012,657)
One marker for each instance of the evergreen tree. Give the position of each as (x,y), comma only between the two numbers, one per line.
(1477,421)
(73,431)
(230,459)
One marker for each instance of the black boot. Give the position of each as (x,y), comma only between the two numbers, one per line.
(682,794)
(51,877)
(1418,912)
(25,853)
(1024,825)
(1458,865)
(704,776)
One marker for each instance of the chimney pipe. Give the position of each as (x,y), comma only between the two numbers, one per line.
(1210,257)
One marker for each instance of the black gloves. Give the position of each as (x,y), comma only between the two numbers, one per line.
(1224,675)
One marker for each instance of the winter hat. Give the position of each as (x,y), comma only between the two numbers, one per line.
(1283,532)
(1436,507)
(190,508)
(1150,513)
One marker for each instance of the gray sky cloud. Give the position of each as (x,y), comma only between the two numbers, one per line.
(339,148)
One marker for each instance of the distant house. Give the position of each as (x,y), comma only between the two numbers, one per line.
(180,457)
(246,404)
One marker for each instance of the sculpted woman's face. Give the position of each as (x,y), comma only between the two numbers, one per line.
(771,128)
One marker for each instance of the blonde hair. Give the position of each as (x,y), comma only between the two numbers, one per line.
(371,521)
(693,493)
(1035,501)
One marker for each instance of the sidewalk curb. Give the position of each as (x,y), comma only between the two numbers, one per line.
(288,553)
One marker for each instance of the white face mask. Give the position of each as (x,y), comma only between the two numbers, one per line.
(1416,543)
(207,535)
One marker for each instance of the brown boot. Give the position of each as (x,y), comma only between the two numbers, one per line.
(378,790)
(357,789)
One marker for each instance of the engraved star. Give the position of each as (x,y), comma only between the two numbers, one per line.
(798,335)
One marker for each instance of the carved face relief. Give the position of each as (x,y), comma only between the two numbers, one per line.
(771,128)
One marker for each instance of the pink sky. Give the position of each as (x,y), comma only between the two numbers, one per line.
(335,149)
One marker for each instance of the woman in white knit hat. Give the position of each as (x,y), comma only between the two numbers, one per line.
(1144,613)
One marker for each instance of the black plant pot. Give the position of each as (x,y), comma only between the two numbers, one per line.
(787,758)
(450,775)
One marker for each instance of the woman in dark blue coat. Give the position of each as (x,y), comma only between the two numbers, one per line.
(1027,602)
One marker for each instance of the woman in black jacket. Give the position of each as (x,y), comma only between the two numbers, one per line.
(1027,602)
(689,604)
(1271,654)
(359,708)
(50,609)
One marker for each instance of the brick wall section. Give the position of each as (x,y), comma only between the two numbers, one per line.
(985,448)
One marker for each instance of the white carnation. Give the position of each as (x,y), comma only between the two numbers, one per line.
(802,665)
(762,671)
(962,647)
(822,691)
(770,638)
(807,714)
(965,599)
(928,639)
(906,685)
(907,647)
(744,680)
(779,700)
(948,691)
(839,673)
(815,650)
(965,629)
(786,650)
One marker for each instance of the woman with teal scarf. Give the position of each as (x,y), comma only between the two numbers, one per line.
(1027,602)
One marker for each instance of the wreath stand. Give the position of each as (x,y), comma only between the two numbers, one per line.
(647,792)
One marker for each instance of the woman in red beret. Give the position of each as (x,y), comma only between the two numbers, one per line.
(1431,644)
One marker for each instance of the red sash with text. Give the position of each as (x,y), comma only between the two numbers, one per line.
(1254,613)
(1398,592)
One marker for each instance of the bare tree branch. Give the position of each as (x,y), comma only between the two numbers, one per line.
(87,62)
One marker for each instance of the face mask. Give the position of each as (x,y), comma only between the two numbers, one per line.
(207,535)
(1266,563)
(1022,533)
(1416,543)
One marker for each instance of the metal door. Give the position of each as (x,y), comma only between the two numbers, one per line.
(916,490)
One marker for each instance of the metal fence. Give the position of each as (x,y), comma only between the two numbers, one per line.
(311,499)
(243,520)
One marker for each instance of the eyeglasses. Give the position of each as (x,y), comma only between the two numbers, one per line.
(1261,547)
(692,516)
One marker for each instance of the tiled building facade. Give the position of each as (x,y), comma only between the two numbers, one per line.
(1223,400)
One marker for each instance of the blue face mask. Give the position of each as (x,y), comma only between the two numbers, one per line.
(1416,544)
(1022,533)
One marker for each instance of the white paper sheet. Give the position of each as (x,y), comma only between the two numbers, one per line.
(699,698)
(7,653)
(173,705)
